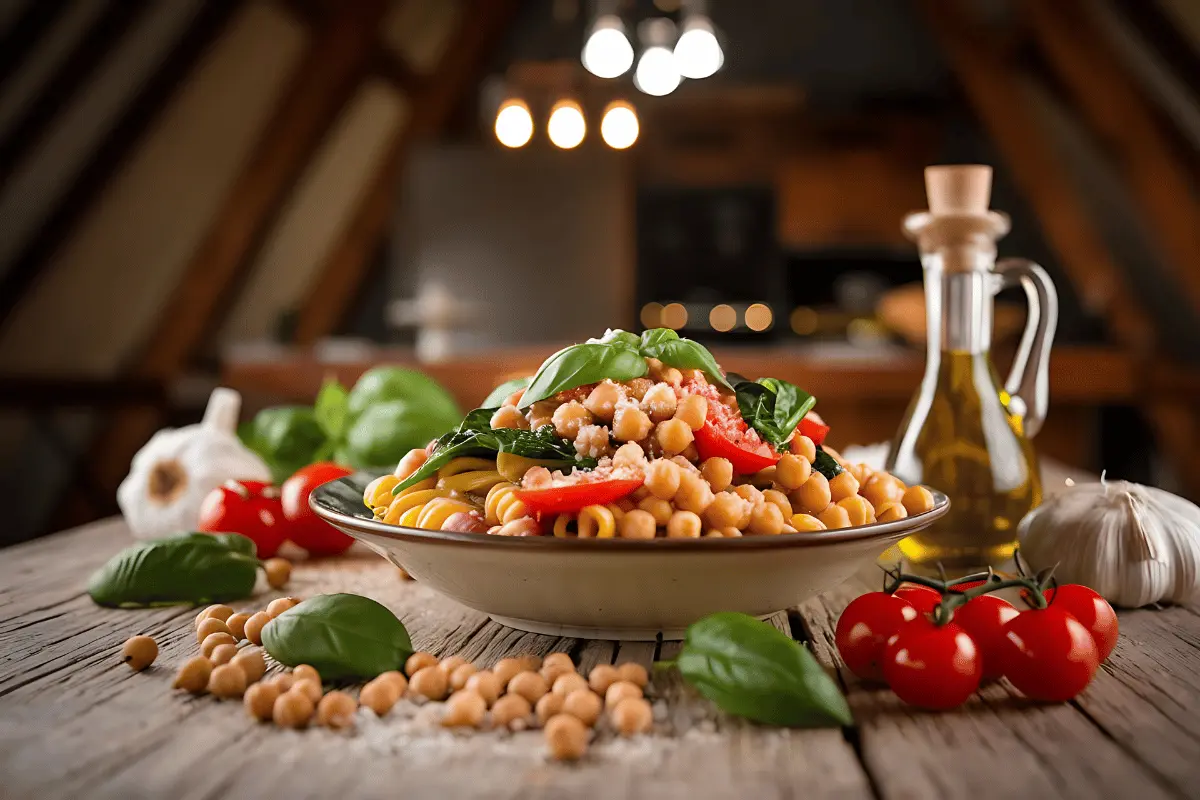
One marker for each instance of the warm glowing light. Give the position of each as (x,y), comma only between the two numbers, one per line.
(652,315)
(804,321)
(566,126)
(722,318)
(607,52)
(698,53)
(619,125)
(656,74)
(759,317)
(674,316)
(514,124)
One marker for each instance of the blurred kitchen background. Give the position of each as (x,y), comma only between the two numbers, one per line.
(264,193)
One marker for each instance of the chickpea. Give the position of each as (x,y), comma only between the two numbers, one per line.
(659,402)
(218,612)
(814,496)
(430,682)
(764,478)
(556,664)
(673,436)
(529,685)
(780,499)
(749,493)
(725,510)
(208,627)
(511,711)
(213,641)
(583,704)
(662,478)
(634,673)
(237,625)
(631,716)
(881,489)
(638,524)
(569,418)
(464,709)
(804,447)
(766,520)
(280,605)
(486,684)
(225,681)
(718,472)
(193,675)
(682,462)
(692,410)
(505,669)
(565,684)
(292,709)
(732,533)
(659,510)
(602,400)
(451,663)
(284,681)
(139,652)
(251,662)
(549,705)
(336,710)
(308,687)
(541,414)
(412,461)
(255,625)
(620,690)
(259,700)
(396,678)
(834,517)
(379,696)
(858,510)
(694,494)
(418,661)
(566,737)
(223,654)
(509,417)
(279,572)
(631,424)
(601,677)
(690,453)
(629,454)
(842,485)
(917,500)
(684,525)
(792,471)
(890,512)
(807,523)
(460,676)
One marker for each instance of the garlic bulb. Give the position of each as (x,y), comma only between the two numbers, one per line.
(1133,544)
(171,475)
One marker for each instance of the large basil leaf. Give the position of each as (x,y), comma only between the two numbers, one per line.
(193,568)
(501,393)
(826,464)
(752,670)
(665,345)
(285,437)
(341,635)
(620,338)
(773,407)
(581,364)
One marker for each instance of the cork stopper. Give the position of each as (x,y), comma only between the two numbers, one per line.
(959,190)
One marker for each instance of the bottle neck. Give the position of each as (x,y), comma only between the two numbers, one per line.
(958,308)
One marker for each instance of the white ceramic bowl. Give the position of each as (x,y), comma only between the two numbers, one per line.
(616,588)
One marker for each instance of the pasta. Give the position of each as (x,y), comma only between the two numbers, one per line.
(502,505)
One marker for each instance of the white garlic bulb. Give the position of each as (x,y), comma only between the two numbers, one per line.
(1133,544)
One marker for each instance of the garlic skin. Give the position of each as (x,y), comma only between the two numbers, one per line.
(173,472)
(1134,544)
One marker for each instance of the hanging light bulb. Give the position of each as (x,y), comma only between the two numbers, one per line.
(619,125)
(698,53)
(514,123)
(607,52)
(566,126)
(657,73)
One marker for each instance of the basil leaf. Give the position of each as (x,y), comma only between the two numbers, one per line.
(502,392)
(332,409)
(341,635)
(286,438)
(773,407)
(620,338)
(665,345)
(581,364)
(750,669)
(194,568)
(826,464)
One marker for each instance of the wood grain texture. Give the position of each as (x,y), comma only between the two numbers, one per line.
(75,722)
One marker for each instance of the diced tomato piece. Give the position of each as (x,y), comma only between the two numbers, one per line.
(713,442)
(565,499)
(814,429)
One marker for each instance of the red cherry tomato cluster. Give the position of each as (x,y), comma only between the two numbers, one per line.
(935,649)
(270,516)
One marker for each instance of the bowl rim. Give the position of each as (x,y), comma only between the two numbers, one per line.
(369,525)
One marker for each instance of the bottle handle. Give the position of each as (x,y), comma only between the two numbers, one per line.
(1028,383)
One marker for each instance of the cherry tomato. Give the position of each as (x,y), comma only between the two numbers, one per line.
(984,618)
(1093,613)
(564,499)
(814,428)
(922,598)
(304,527)
(1048,655)
(864,628)
(932,666)
(725,434)
(251,508)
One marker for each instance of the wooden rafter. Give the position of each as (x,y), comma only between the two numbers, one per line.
(337,281)
(1126,124)
(23,36)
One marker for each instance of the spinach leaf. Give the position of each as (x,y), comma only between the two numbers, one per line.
(501,392)
(194,568)
(341,635)
(665,345)
(332,409)
(826,464)
(750,669)
(773,407)
(285,437)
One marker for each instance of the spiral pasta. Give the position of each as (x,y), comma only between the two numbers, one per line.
(502,504)
(469,475)
(598,521)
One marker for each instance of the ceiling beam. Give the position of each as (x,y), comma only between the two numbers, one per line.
(26,32)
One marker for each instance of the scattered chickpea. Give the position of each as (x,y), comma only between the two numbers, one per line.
(379,696)
(306,672)
(254,626)
(213,641)
(193,675)
(549,705)
(460,676)
(226,681)
(451,663)
(585,705)
(511,711)
(619,691)
(419,661)
(601,677)
(631,716)
(505,669)
(284,681)
(292,710)
(487,684)
(634,673)
(396,678)
(223,654)
(530,685)
(464,709)
(252,664)
(309,687)
(218,612)
(336,710)
(430,682)
(556,664)
(259,700)
(208,627)
(139,652)
(280,605)
(530,663)
(237,625)
(566,737)
(279,572)
(572,681)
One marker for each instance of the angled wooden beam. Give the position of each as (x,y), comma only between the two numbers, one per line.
(336,283)
(21,38)
(1119,114)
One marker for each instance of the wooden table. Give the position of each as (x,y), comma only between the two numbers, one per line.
(75,722)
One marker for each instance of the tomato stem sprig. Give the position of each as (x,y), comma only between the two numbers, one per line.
(954,597)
